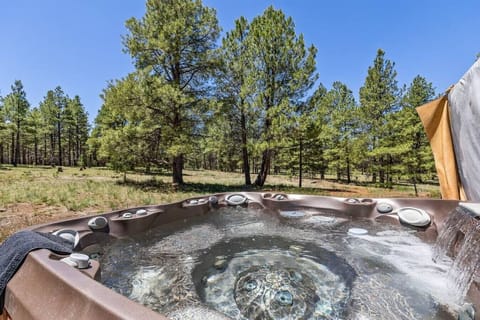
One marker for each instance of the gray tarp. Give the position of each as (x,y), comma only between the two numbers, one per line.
(464,103)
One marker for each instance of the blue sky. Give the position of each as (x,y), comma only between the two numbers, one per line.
(77,44)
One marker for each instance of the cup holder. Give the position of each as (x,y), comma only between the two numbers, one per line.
(352,201)
(236,199)
(365,201)
(195,202)
(280,197)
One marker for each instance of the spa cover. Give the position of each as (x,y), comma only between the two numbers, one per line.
(452,124)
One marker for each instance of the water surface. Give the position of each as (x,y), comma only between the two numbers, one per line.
(248,264)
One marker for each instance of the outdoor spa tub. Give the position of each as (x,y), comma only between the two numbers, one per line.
(258,256)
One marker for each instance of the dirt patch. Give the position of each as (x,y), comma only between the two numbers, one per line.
(18,216)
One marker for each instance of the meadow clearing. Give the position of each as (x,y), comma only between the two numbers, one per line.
(35,194)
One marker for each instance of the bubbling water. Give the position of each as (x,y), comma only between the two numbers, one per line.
(279,283)
(251,264)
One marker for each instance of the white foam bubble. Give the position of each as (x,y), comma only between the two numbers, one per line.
(196,238)
(411,257)
(196,313)
(145,282)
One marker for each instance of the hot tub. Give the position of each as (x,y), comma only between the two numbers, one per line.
(253,256)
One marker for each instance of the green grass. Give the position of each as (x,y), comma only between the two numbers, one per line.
(31,195)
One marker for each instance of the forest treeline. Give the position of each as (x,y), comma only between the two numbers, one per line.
(53,133)
(248,102)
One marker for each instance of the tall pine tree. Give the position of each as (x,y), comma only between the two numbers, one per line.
(16,108)
(173,49)
(416,155)
(379,98)
(233,92)
(342,125)
(283,69)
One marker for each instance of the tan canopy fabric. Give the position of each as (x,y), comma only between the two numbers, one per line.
(452,124)
(436,121)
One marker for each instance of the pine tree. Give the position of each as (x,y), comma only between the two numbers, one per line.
(313,121)
(173,50)
(4,132)
(75,126)
(34,130)
(223,141)
(378,100)
(59,105)
(234,93)
(283,71)
(416,154)
(48,112)
(120,124)
(342,124)
(16,108)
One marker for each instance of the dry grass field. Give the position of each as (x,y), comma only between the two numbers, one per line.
(33,195)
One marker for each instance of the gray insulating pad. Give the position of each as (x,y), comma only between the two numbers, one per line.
(464,103)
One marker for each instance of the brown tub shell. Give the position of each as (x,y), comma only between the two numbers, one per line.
(46,288)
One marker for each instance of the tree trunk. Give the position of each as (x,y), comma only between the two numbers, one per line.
(24,155)
(272,162)
(348,170)
(264,168)
(13,155)
(415,184)
(59,136)
(1,153)
(17,144)
(177,168)
(77,145)
(246,165)
(266,156)
(300,164)
(389,172)
(52,149)
(69,149)
(36,149)
(210,162)
(44,148)
(381,171)
(322,163)
(197,163)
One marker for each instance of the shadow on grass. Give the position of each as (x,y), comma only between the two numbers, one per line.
(215,188)
(142,172)
(154,185)
(151,185)
(306,190)
(353,182)
(24,166)
(384,185)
